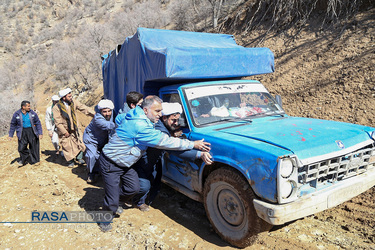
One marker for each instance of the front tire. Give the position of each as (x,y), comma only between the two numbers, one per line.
(228,201)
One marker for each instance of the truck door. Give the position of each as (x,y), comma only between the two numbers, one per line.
(175,168)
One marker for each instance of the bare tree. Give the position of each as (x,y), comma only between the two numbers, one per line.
(221,7)
(216,8)
(183,14)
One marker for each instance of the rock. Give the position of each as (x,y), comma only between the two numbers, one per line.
(57,192)
(318,232)
(304,238)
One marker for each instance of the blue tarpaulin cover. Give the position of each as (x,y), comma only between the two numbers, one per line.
(152,58)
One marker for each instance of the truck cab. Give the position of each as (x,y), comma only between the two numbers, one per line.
(269,168)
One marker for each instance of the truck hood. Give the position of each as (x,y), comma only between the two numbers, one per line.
(304,137)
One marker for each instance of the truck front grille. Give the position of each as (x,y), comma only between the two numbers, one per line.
(338,168)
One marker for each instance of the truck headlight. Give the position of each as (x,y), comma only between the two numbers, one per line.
(287,178)
(286,188)
(286,168)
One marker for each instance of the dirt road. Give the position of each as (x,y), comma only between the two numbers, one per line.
(174,221)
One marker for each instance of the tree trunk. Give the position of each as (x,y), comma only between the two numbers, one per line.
(216,8)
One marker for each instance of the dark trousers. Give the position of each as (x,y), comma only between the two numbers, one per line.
(150,185)
(31,154)
(117,181)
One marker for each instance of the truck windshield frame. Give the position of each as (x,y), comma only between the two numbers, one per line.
(229,102)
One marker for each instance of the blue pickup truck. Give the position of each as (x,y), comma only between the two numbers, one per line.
(269,168)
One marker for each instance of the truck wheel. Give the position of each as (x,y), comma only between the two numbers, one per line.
(228,200)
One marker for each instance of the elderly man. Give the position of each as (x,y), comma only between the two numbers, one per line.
(96,136)
(130,140)
(149,167)
(28,128)
(50,124)
(68,128)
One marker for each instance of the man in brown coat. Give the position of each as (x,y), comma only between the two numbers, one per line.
(68,129)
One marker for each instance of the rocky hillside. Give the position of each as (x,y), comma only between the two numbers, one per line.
(48,45)
(323,73)
(323,70)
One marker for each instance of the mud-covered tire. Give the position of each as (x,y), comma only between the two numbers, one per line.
(228,200)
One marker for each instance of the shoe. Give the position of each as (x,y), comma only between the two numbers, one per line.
(119,211)
(91,178)
(81,161)
(143,207)
(71,164)
(105,226)
(20,164)
(127,205)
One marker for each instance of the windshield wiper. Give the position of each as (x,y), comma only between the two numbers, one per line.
(267,113)
(245,122)
(247,119)
(224,120)
(229,119)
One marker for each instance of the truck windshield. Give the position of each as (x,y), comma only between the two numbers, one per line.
(230,102)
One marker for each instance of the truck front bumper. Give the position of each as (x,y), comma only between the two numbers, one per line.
(327,198)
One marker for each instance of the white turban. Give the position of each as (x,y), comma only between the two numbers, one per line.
(64,92)
(55,98)
(105,104)
(171,108)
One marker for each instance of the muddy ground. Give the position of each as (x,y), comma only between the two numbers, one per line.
(173,222)
(321,75)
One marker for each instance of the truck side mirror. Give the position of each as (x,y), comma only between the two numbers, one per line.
(279,101)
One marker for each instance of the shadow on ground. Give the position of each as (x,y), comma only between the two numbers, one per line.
(93,199)
(53,157)
(188,213)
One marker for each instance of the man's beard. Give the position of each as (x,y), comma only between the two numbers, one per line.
(107,117)
(171,128)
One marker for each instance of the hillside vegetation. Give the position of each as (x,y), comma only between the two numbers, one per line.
(48,45)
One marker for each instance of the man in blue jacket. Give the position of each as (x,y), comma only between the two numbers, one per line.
(96,136)
(149,167)
(28,128)
(127,145)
